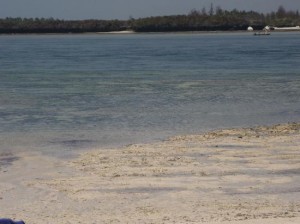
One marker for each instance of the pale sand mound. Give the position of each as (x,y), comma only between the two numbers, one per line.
(230,176)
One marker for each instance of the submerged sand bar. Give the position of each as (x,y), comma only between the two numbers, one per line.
(249,175)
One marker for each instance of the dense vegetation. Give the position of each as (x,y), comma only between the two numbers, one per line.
(19,25)
(197,20)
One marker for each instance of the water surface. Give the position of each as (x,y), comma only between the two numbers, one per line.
(62,93)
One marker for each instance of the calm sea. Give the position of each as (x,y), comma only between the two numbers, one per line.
(63,93)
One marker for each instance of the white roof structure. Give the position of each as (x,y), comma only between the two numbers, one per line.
(287,28)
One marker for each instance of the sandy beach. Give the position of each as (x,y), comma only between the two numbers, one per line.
(248,175)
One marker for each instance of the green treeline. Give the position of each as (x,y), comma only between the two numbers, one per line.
(217,19)
(213,19)
(19,25)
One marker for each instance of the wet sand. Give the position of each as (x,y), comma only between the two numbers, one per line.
(242,176)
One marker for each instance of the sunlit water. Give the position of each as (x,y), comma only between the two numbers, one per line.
(62,93)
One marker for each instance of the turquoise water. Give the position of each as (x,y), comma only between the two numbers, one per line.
(62,93)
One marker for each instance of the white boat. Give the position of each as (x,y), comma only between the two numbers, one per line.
(262,33)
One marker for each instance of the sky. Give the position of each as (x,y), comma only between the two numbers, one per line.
(124,9)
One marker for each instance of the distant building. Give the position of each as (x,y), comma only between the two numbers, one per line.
(287,28)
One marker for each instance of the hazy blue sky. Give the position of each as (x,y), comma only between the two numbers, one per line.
(122,9)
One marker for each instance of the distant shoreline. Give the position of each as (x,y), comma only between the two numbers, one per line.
(158,32)
(217,19)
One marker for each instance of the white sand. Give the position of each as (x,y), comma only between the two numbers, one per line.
(118,32)
(230,176)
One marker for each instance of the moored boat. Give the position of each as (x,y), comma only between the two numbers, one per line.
(262,33)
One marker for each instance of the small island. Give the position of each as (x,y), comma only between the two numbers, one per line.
(213,19)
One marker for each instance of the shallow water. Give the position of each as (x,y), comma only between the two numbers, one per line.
(62,93)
